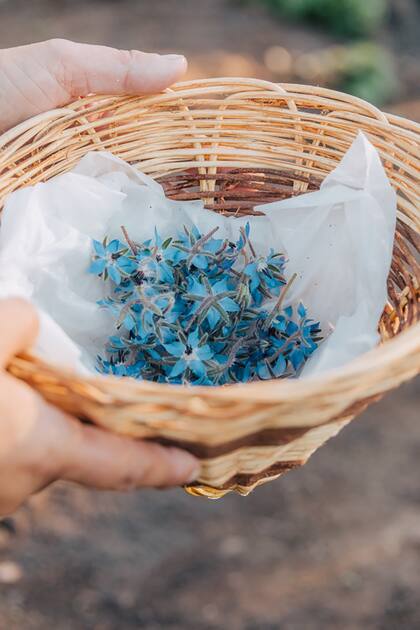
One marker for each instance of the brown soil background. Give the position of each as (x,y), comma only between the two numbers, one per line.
(334,545)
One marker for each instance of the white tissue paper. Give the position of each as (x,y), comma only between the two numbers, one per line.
(339,241)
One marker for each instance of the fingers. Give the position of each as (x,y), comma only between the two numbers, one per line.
(106,461)
(82,69)
(69,449)
(43,76)
(18,327)
(30,443)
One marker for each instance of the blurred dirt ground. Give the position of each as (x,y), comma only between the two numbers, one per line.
(334,545)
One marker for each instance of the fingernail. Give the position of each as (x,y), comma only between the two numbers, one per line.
(180,60)
(187,467)
(175,57)
(195,474)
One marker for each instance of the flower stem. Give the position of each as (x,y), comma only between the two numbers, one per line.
(279,302)
(130,243)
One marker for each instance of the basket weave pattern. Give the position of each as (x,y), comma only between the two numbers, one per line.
(235,143)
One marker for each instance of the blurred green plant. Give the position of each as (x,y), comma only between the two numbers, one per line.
(363,69)
(368,71)
(352,18)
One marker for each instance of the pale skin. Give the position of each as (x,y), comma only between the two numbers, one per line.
(38,443)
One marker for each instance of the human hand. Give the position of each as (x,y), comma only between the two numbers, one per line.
(39,444)
(39,77)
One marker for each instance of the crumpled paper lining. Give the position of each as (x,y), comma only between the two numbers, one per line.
(338,240)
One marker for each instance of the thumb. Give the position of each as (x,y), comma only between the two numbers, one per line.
(81,69)
(18,326)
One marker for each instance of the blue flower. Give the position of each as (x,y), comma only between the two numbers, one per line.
(274,368)
(264,277)
(164,256)
(196,249)
(244,237)
(210,302)
(111,260)
(190,355)
(190,309)
(139,316)
(276,264)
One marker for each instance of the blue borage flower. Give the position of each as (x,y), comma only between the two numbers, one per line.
(110,259)
(197,250)
(265,276)
(210,301)
(193,309)
(191,354)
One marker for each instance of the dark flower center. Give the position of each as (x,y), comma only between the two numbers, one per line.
(138,278)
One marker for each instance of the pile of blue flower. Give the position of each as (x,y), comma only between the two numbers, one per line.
(195,309)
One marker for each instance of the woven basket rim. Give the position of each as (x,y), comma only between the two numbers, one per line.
(288,90)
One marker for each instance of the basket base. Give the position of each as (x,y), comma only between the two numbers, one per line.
(208,492)
(295,455)
(242,484)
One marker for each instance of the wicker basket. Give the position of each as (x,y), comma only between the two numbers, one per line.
(234,143)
